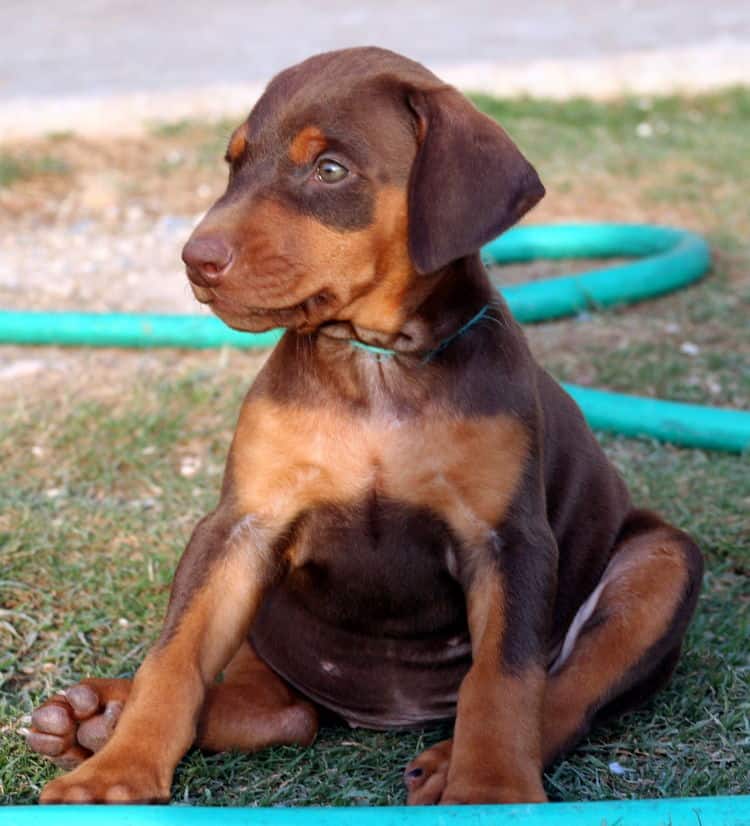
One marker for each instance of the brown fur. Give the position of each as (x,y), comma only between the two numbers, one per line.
(399,539)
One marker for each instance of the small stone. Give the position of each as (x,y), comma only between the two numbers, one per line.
(689,349)
(189,465)
(644,130)
(145,504)
(19,369)
(172,224)
(99,192)
(134,214)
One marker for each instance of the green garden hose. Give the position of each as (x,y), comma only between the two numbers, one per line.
(666,260)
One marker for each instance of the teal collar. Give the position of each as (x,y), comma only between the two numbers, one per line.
(386,352)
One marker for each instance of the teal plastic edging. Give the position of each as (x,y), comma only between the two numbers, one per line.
(690,425)
(666,260)
(685,811)
(193,332)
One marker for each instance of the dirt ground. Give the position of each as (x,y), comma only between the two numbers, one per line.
(98,224)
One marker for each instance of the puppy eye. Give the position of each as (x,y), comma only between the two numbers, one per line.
(330,172)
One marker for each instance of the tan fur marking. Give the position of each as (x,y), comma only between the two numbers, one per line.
(645,582)
(169,687)
(307,145)
(368,270)
(496,752)
(496,747)
(237,143)
(398,291)
(253,708)
(209,632)
(287,459)
(486,615)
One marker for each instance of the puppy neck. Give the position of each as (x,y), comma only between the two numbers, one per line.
(444,305)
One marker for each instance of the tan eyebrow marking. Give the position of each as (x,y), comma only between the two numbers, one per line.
(237,143)
(308,143)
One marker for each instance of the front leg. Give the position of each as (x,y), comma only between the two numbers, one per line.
(216,592)
(496,755)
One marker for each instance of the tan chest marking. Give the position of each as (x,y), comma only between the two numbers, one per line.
(287,459)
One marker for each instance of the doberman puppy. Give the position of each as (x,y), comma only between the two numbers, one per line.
(415,521)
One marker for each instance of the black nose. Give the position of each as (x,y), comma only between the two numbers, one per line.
(207,259)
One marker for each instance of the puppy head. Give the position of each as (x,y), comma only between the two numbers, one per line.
(356,174)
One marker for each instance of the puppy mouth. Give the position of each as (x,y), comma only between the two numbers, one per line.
(304,316)
(203,295)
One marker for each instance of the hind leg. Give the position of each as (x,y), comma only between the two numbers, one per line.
(624,642)
(254,709)
(621,647)
(250,710)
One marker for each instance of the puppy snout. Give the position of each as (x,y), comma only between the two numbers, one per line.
(206,259)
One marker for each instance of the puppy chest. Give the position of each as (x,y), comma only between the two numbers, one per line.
(375,513)
(370,623)
(376,566)
(288,461)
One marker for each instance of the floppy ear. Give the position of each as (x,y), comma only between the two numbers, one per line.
(468,183)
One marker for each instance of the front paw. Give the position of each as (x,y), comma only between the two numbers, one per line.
(98,781)
(426,776)
(459,793)
(427,782)
(69,727)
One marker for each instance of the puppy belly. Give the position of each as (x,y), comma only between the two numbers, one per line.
(378,682)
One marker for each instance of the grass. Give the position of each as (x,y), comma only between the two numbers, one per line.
(97,497)
(15,167)
(96,514)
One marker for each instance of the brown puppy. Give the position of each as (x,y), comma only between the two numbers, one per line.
(415,521)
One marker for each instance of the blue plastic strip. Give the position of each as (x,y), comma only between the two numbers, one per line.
(697,811)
